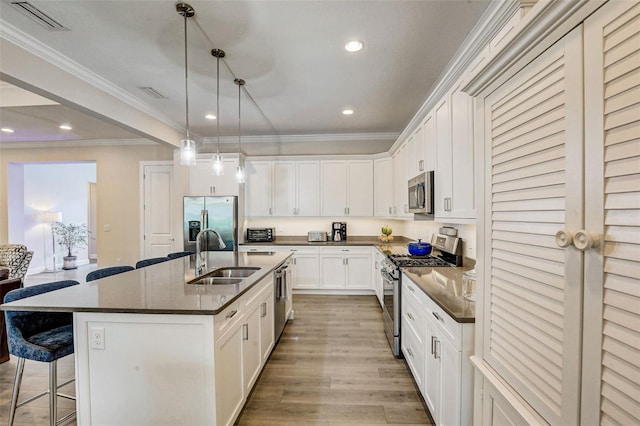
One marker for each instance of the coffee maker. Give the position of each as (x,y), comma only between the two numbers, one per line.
(339,231)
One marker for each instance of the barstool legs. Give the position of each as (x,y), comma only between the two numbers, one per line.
(16,390)
(53,393)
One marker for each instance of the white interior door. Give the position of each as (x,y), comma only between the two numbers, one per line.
(158,238)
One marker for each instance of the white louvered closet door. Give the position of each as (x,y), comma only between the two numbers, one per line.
(533,288)
(611,362)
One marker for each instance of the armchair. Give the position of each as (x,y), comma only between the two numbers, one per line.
(16,257)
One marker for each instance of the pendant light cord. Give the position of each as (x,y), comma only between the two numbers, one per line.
(239,95)
(186,75)
(218,103)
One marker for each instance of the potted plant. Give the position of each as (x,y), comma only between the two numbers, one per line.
(71,237)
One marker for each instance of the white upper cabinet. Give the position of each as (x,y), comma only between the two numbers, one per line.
(383,187)
(454,177)
(415,153)
(284,188)
(258,188)
(429,143)
(307,188)
(202,181)
(347,187)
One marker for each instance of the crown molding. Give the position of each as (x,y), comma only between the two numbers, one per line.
(32,45)
(492,20)
(545,22)
(75,143)
(332,137)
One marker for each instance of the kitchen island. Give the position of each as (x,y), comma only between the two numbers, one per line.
(153,349)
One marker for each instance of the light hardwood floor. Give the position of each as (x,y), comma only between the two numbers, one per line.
(332,366)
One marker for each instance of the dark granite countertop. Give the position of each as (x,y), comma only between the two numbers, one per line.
(351,241)
(157,289)
(444,286)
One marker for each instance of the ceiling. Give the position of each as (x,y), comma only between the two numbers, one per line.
(298,75)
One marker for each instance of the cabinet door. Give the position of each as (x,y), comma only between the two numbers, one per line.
(229,383)
(401,179)
(201,178)
(359,271)
(382,187)
(429,142)
(258,188)
(532,288)
(306,271)
(443,170)
(332,271)
(418,151)
(432,372)
(227,184)
(267,333)
(307,188)
(284,188)
(360,192)
(334,188)
(251,349)
(451,367)
(462,205)
(611,362)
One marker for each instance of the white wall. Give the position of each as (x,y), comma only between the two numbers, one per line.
(47,186)
(412,229)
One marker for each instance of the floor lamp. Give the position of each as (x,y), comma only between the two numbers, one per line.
(51,218)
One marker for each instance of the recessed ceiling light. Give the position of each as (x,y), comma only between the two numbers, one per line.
(210,116)
(65,127)
(7,130)
(347,111)
(354,46)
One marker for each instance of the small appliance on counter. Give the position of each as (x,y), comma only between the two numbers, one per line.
(339,231)
(261,235)
(316,236)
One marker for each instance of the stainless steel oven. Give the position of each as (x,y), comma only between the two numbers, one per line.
(391,308)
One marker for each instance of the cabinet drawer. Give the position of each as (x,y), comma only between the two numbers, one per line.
(225,319)
(449,328)
(412,291)
(303,250)
(415,316)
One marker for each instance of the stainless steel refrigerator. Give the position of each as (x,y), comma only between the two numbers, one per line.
(219,213)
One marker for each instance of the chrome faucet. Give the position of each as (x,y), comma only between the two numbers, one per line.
(200,262)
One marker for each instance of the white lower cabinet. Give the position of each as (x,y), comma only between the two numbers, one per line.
(437,350)
(347,268)
(242,349)
(305,268)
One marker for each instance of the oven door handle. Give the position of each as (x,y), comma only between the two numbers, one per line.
(387,276)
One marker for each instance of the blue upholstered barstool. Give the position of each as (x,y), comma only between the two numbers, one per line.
(180,254)
(107,272)
(39,336)
(151,261)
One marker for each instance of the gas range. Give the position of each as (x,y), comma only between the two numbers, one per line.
(402,260)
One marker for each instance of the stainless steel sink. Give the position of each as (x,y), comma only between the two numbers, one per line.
(215,281)
(232,272)
(225,276)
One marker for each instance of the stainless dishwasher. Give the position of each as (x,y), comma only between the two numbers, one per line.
(280,295)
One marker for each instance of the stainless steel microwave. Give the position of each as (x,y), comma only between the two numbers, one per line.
(421,191)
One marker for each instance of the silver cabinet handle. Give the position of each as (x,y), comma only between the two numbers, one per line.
(389,209)
(348,210)
(410,288)
(410,353)
(564,239)
(245,331)
(438,317)
(433,339)
(346,260)
(214,189)
(410,316)
(585,240)
(270,210)
(232,314)
(263,308)
(436,353)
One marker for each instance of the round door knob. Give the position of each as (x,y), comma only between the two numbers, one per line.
(564,239)
(584,240)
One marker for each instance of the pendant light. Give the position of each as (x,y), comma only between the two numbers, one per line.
(240,170)
(217,165)
(187,145)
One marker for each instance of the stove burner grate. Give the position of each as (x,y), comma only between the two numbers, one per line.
(404,261)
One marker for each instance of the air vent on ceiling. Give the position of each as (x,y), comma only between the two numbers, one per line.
(152,92)
(38,16)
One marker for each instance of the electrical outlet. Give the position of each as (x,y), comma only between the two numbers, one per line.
(96,337)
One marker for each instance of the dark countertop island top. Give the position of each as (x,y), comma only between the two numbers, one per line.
(157,289)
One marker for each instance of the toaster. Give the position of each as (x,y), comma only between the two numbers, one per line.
(316,236)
